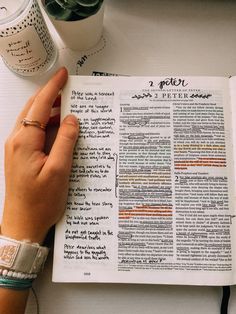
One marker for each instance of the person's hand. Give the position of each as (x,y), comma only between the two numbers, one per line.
(36,183)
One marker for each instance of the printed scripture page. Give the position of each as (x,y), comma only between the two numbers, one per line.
(151,188)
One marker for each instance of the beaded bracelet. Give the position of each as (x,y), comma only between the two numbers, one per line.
(17,275)
(20,262)
(15,284)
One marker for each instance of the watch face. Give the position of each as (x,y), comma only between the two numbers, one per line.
(8,252)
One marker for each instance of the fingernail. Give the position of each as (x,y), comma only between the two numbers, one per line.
(62,69)
(70,119)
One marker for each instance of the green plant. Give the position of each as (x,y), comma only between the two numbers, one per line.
(72,10)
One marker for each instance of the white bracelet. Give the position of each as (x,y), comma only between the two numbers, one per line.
(14,274)
(21,258)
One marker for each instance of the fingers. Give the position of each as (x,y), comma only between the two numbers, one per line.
(41,107)
(38,108)
(60,157)
(42,101)
(25,111)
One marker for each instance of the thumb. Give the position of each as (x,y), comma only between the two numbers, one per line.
(60,157)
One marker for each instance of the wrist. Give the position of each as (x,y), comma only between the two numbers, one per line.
(22,236)
(21,259)
(22,231)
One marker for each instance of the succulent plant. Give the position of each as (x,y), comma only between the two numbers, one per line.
(72,10)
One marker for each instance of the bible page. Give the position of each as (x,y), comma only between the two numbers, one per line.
(152,187)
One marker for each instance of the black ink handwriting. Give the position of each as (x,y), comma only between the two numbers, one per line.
(144,95)
(140,122)
(170,81)
(203,96)
(116,175)
(82,61)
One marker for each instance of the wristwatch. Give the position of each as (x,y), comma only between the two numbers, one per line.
(22,256)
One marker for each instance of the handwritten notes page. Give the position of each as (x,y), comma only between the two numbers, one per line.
(152,184)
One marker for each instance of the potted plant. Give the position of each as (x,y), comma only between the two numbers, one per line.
(78,22)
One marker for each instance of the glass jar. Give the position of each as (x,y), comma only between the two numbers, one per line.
(25,43)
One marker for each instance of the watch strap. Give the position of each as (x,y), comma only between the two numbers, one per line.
(22,256)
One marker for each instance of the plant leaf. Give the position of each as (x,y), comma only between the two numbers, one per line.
(72,10)
(57,11)
(86,11)
(88,3)
(67,4)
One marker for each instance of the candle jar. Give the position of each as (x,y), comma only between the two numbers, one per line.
(25,43)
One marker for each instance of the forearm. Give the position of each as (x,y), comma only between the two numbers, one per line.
(13,301)
(20,262)
(36,192)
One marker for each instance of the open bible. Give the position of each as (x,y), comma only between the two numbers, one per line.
(152,186)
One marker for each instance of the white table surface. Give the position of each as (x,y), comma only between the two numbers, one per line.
(152,37)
